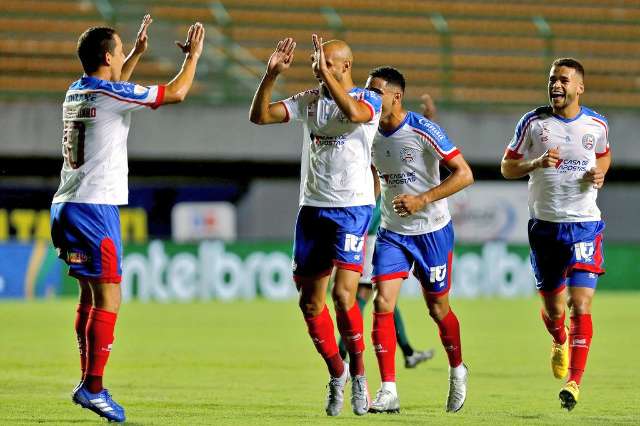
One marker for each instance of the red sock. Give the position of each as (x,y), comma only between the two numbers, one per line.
(323,336)
(579,342)
(351,328)
(82,317)
(384,343)
(450,336)
(556,327)
(99,340)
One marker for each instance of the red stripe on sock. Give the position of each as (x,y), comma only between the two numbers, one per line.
(556,328)
(450,337)
(383,336)
(580,335)
(351,327)
(99,337)
(322,334)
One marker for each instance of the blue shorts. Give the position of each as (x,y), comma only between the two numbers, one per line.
(325,237)
(565,254)
(87,237)
(429,254)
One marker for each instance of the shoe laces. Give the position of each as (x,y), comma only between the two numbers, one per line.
(359,387)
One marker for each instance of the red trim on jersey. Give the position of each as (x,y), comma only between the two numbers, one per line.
(434,144)
(606,128)
(524,131)
(512,155)
(602,154)
(371,109)
(159,97)
(451,155)
(286,110)
(349,266)
(390,276)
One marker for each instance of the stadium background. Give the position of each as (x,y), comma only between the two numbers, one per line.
(200,169)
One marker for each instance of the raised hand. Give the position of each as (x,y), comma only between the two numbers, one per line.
(405,205)
(319,65)
(281,58)
(594,176)
(142,37)
(195,40)
(549,159)
(428,107)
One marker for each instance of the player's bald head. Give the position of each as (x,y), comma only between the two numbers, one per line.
(337,50)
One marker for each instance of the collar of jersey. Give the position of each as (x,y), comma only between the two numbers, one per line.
(404,121)
(569,120)
(87,82)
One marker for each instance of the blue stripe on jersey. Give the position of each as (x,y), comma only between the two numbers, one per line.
(370,97)
(592,113)
(521,127)
(435,132)
(122,89)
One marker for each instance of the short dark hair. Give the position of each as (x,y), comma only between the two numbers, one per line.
(569,63)
(93,44)
(390,75)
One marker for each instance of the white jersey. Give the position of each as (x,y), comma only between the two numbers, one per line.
(96,116)
(558,194)
(336,154)
(408,162)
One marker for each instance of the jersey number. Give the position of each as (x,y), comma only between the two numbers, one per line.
(73,143)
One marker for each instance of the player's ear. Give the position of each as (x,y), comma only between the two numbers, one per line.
(108,57)
(346,66)
(580,87)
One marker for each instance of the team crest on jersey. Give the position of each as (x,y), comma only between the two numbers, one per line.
(407,155)
(588,141)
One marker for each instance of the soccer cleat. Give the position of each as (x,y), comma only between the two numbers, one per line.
(560,358)
(418,357)
(457,390)
(385,402)
(569,395)
(335,392)
(359,395)
(100,403)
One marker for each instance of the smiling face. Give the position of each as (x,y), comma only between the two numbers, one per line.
(565,87)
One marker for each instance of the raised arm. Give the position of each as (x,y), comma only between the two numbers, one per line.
(517,168)
(356,112)
(176,90)
(263,111)
(461,176)
(139,47)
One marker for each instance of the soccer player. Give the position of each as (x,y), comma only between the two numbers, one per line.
(85,222)
(336,202)
(365,287)
(416,231)
(564,149)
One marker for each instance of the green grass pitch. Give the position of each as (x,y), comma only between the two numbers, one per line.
(250,363)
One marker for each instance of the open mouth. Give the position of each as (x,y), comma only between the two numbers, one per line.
(557,95)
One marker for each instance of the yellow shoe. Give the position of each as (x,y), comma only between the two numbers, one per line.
(569,395)
(560,358)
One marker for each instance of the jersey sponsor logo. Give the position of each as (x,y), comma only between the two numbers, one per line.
(77,258)
(394,179)
(328,140)
(437,273)
(353,243)
(588,141)
(569,166)
(584,251)
(407,155)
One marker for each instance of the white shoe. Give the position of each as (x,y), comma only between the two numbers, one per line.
(335,392)
(386,402)
(359,395)
(457,388)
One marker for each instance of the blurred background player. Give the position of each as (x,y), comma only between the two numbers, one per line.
(564,149)
(415,231)
(336,202)
(365,288)
(85,221)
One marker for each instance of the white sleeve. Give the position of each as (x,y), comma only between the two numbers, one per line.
(296,105)
(130,97)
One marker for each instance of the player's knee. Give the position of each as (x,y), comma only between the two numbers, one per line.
(343,299)
(438,309)
(580,305)
(381,303)
(310,308)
